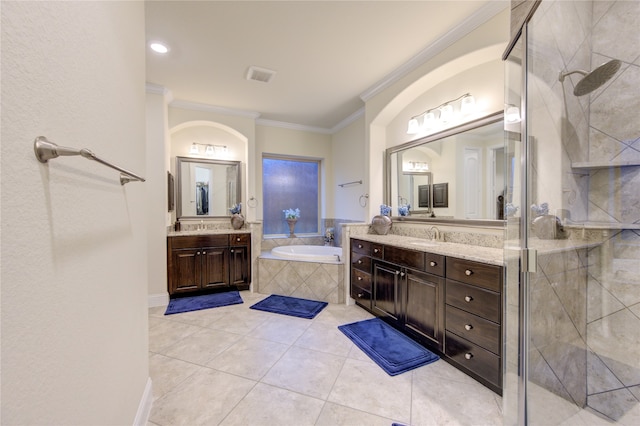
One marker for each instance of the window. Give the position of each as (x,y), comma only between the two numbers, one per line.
(290,183)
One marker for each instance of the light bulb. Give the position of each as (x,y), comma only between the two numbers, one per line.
(158,47)
(446,113)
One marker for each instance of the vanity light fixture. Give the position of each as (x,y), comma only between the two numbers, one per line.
(415,167)
(512,114)
(446,114)
(209,150)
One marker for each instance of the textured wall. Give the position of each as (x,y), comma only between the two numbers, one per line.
(74,278)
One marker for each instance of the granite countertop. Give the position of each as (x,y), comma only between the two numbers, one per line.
(492,256)
(207,232)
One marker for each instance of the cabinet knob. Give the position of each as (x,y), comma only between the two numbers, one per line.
(397,272)
(238,239)
(376,250)
(198,253)
(432,263)
(359,278)
(204,252)
(468,272)
(468,298)
(360,295)
(231,250)
(359,245)
(359,261)
(468,355)
(468,327)
(402,274)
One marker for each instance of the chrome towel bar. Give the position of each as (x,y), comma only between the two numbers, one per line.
(45,150)
(342,185)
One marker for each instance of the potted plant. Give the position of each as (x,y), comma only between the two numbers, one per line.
(292,216)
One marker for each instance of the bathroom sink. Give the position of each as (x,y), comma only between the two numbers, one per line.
(424,243)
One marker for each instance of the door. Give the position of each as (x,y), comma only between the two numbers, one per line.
(386,289)
(186,267)
(214,267)
(239,265)
(472,183)
(424,301)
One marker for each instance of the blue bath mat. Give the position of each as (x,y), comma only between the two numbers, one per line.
(196,303)
(394,352)
(293,306)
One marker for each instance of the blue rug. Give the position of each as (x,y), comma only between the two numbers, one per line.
(206,301)
(394,352)
(292,306)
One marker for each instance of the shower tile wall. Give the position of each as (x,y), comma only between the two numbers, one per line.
(586,309)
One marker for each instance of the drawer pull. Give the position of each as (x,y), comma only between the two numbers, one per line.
(468,327)
(402,274)
(359,261)
(468,299)
(231,250)
(238,239)
(360,295)
(432,263)
(468,355)
(376,250)
(204,252)
(468,272)
(359,245)
(359,278)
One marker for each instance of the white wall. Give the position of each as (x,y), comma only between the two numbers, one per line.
(74,265)
(349,165)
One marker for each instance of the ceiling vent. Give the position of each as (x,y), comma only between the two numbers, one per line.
(260,74)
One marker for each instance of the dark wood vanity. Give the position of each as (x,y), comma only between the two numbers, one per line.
(452,306)
(208,262)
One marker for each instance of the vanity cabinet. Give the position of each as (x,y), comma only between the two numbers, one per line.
(473,309)
(452,306)
(198,263)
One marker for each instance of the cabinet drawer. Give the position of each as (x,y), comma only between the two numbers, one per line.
(195,241)
(480,274)
(361,262)
(361,279)
(473,328)
(377,250)
(409,258)
(474,358)
(239,239)
(434,264)
(361,296)
(474,299)
(360,246)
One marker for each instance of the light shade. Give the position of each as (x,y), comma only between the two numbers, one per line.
(512,114)
(446,113)
(429,120)
(194,149)
(413,127)
(209,150)
(468,105)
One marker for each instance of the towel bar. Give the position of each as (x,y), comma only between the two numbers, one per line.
(45,150)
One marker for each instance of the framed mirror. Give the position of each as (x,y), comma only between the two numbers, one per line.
(455,175)
(206,188)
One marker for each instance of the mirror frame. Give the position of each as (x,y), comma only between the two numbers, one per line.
(489,119)
(178,179)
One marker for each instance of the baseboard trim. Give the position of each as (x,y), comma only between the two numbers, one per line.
(144,408)
(161,299)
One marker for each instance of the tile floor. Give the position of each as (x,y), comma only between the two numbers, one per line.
(238,366)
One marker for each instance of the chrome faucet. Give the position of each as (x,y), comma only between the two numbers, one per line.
(436,234)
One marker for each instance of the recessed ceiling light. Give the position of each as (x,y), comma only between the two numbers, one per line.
(158,47)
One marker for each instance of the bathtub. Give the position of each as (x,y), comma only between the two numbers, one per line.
(309,253)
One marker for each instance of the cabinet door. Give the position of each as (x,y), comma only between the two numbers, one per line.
(424,313)
(185,270)
(214,267)
(386,290)
(239,265)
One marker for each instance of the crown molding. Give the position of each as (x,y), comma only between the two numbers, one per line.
(350,119)
(156,89)
(212,108)
(465,27)
(292,126)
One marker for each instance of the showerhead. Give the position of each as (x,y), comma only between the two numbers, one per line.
(594,79)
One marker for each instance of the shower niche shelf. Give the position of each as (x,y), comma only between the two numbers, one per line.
(601,225)
(597,165)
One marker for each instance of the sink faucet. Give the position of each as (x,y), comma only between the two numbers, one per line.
(436,233)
